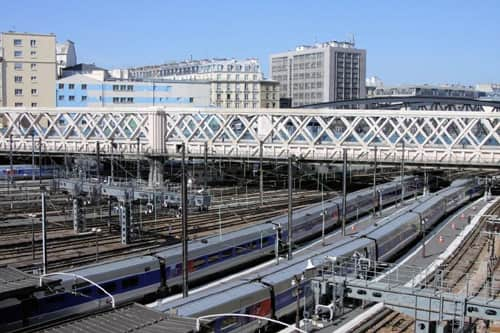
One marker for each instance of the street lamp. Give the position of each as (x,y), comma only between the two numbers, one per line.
(96,231)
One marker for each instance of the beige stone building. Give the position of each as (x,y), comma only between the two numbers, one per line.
(234,83)
(28,69)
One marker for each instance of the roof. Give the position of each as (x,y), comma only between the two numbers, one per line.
(130,318)
(14,282)
(84,67)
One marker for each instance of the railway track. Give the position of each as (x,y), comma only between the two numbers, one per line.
(67,249)
(457,271)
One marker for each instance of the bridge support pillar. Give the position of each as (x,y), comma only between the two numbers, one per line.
(125,222)
(155,173)
(157,130)
(78,216)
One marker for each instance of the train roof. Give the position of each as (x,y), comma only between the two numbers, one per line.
(105,267)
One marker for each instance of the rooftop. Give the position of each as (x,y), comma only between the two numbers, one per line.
(14,282)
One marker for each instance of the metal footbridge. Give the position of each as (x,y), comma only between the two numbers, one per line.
(420,137)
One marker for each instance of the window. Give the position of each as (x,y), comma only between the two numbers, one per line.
(33,53)
(18,53)
(84,98)
(33,43)
(33,78)
(109,287)
(130,282)
(18,66)
(71,86)
(34,105)
(191,99)
(71,98)
(61,97)
(122,87)
(130,100)
(131,88)
(18,79)
(115,87)
(18,92)
(123,99)
(61,85)
(116,100)
(84,87)
(18,104)
(18,42)
(33,67)
(34,92)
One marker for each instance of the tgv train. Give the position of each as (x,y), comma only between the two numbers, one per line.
(269,293)
(155,274)
(22,171)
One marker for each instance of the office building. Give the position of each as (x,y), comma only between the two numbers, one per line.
(234,83)
(324,72)
(28,68)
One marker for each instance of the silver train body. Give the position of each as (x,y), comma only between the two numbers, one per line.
(269,292)
(155,274)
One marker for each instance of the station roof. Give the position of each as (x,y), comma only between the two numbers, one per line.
(14,283)
(130,318)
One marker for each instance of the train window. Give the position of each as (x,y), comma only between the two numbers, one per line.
(147,269)
(490,312)
(472,309)
(228,321)
(213,258)
(241,249)
(361,292)
(227,253)
(377,294)
(130,282)
(197,263)
(110,287)
(253,245)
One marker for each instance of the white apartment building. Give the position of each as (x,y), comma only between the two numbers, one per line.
(28,69)
(65,56)
(234,83)
(324,72)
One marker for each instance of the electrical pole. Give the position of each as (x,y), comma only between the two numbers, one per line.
(375,181)
(290,215)
(112,164)
(98,157)
(32,156)
(402,173)
(44,236)
(40,161)
(184,225)
(344,189)
(138,165)
(205,167)
(261,173)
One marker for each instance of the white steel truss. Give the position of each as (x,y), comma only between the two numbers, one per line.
(445,137)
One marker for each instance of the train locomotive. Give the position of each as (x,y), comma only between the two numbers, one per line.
(269,292)
(155,274)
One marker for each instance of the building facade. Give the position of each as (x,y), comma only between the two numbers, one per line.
(28,67)
(234,83)
(488,91)
(65,56)
(324,72)
(83,90)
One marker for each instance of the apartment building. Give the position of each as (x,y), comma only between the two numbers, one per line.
(329,71)
(233,83)
(28,69)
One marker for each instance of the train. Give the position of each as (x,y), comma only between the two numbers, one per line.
(25,171)
(269,292)
(156,274)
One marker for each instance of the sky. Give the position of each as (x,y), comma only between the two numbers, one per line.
(419,41)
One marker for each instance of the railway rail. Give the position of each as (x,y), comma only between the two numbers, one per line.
(67,249)
(457,271)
